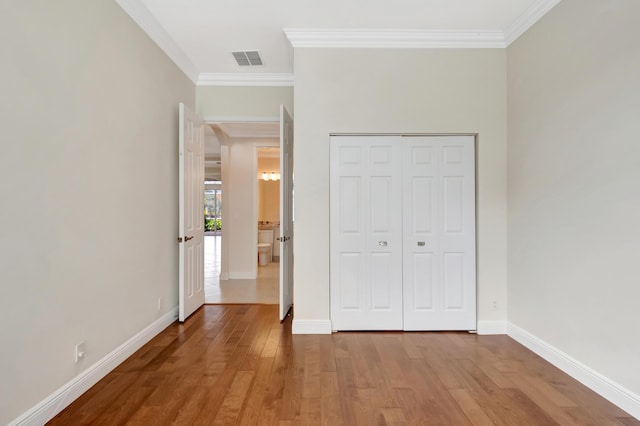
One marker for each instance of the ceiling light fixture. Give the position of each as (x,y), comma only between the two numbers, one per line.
(270,176)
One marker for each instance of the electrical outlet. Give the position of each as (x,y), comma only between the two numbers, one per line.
(81,352)
(494,305)
(159,304)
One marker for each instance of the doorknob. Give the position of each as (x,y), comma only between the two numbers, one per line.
(187,238)
(283,239)
(382,243)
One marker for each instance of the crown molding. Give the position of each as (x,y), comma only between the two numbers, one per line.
(145,20)
(245,79)
(389,38)
(525,21)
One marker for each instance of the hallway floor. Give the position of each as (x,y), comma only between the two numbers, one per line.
(263,290)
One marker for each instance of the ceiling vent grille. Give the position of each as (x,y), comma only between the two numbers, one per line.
(248,58)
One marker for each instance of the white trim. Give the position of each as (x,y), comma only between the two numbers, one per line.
(249,79)
(310,327)
(148,23)
(491,327)
(607,388)
(46,409)
(390,38)
(242,275)
(525,21)
(224,276)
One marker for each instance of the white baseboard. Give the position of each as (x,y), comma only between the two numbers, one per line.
(46,409)
(491,327)
(311,326)
(607,388)
(241,276)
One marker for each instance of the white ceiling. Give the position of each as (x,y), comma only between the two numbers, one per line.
(199,35)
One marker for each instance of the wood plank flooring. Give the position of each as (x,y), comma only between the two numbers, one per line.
(237,364)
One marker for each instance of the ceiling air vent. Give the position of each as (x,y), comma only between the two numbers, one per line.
(248,58)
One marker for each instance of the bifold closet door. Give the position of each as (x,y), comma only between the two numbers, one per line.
(366,233)
(439,271)
(402,233)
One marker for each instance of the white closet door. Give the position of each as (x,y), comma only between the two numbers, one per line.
(439,271)
(366,233)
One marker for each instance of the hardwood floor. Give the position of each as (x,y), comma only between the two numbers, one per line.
(236,364)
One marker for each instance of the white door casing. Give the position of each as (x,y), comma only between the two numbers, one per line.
(286,212)
(365,233)
(439,272)
(431,212)
(191,208)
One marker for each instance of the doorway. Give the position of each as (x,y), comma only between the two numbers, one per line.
(237,278)
(264,288)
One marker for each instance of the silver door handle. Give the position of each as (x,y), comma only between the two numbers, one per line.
(382,243)
(421,243)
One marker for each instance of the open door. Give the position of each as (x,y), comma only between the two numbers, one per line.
(191,207)
(286,212)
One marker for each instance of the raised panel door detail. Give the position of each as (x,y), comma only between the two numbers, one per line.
(199,253)
(453,204)
(381,207)
(350,155)
(421,155)
(452,155)
(350,211)
(381,155)
(422,204)
(350,280)
(191,261)
(453,280)
(189,164)
(422,281)
(381,281)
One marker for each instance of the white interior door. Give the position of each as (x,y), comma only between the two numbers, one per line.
(439,272)
(191,207)
(286,212)
(366,233)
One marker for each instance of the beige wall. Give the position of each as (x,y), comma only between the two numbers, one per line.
(244,102)
(88,177)
(397,91)
(574,179)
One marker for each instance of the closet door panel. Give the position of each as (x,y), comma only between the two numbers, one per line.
(366,224)
(439,258)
